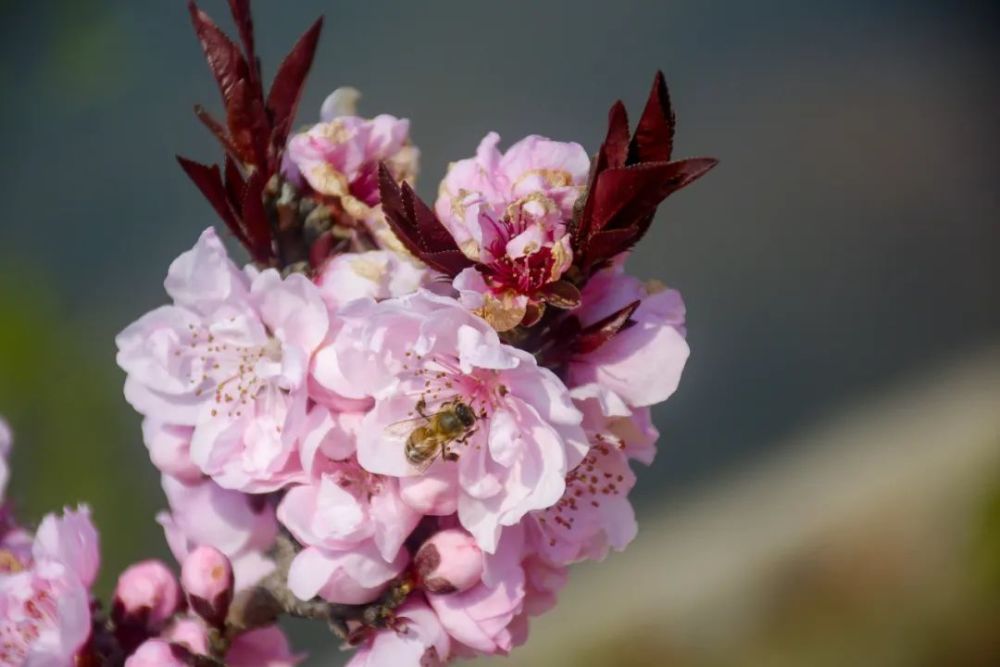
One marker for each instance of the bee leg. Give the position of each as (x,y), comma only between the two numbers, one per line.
(447,454)
(461,441)
(359,635)
(421,407)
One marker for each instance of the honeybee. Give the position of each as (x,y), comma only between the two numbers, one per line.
(430,434)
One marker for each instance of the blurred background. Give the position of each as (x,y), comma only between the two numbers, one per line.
(828,485)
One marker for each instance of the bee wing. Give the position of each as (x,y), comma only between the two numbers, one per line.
(423,466)
(404,427)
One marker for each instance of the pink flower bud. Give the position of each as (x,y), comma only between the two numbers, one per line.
(207,577)
(449,562)
(147,594)
(158,653)
(188,632)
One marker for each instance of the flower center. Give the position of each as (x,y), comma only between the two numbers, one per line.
(438,379)
(234,374)
(587,486)
(23,625)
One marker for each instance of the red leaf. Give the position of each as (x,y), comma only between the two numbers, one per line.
(255,218)
(561,294)
(417,228)
(600,332)
(209,182)
(654,135)
(242,17)
(623,196)
(611,154)
(613,150)
(286,90)
(217,130)
(320,249)
(248,126)
(605,245)
(224,58)
(235,185)
(533,313)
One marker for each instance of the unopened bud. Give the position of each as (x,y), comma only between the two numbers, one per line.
(449,562)
(147,594)
(190,633)
(158,653)
(207,577)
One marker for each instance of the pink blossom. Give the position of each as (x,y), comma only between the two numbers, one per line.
(338,159)
(44,616)
(532,167)
(349,576)
(263,647)
(479,618)
(240,526)
(5,443)
(424,352)
(330,436)
(450,561)
(169,448)
(147,594)
(71,540)
(44,599)
(607,418)
(228,358)
(15,542)
(352,524)
(643,363)
(376,274)
(491,617)
(207,578)
(542,583)
(509,213)
(593,515)
(340,156)
(158,653)
(345,506)
(419,640)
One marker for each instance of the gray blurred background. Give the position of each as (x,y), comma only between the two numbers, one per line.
(849,239)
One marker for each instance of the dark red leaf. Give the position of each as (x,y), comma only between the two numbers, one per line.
(417,228)
(242,17)
(533,313)
(258,230)
(611,154)
(286,90)
(597,334)
(224,58)
(235,186)
(561,294)
(654,135)
(209,182)
(320,249)
(218,131)
(613,150)
(248,125)
(605,245)
(622,196)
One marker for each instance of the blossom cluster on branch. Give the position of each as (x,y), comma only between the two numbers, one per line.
(402,420)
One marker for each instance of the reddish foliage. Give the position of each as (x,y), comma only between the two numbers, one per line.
(255,129)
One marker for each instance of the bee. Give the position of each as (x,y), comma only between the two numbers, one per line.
(430,434)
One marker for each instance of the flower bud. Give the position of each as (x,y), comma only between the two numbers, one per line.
(158,653)
(449,562)
(207,577)
(189,632)
(147,595)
